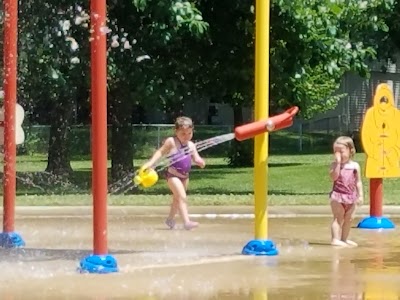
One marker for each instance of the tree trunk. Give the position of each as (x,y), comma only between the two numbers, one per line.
(59,161)
(237,121)
(121,133)
(241,153)
(237,115)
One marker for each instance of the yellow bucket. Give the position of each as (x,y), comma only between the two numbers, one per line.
(146,178)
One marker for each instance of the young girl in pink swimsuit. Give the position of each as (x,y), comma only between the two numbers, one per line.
(347,190)
(177,174)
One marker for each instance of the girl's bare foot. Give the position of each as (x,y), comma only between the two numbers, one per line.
(336,242)
(190,225)
(351,243)
(170,223)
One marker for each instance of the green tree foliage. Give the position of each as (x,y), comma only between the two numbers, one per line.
(149,67)
(53,64)
(389,44)
(54,41)
(161,53)
(314,43)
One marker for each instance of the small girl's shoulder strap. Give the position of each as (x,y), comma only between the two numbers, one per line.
(179,141)
(354,164)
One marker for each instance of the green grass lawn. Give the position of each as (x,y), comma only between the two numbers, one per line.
(293,180)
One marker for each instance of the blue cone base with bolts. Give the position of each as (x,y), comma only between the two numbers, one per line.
(100,264)
(376,223)
(11,240)
(260,247)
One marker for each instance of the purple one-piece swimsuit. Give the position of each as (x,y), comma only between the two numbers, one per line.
(183,165)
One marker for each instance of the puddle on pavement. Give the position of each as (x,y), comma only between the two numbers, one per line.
(156,263)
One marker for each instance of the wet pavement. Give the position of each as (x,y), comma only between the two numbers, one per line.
(206,263)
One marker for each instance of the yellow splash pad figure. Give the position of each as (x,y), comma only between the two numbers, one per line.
(380,134)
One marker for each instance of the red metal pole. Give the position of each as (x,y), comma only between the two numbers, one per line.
(10,99)
(375,197)
(99,124)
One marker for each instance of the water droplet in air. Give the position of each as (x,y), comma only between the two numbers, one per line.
(105,30)
(75,60)
(78,20)
(65,25)
(114,44)
(127,45)
(74,44)
(142,57)
(54,74)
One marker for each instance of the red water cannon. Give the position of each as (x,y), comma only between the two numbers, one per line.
(274,123)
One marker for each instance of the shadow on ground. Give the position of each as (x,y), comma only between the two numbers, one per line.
(42,254)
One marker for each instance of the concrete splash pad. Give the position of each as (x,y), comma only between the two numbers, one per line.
(157,263)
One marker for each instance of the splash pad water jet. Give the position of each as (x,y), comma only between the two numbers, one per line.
(241,133)
(147,178)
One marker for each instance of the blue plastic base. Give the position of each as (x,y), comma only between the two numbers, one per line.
(100,264)
(260,247)
(11,240)
(376,223)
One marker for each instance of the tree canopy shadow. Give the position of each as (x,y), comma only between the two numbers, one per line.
(293,193)
(280,165)
(319,243)
(44,183)
(80,182)
(225,191)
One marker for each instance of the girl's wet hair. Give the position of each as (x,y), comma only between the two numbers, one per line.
(346,141)
(183,122)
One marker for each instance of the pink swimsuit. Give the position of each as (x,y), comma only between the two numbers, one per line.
(344,189)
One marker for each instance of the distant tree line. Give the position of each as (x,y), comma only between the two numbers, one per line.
(161,53)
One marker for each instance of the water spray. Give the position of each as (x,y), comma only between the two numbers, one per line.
(149,177)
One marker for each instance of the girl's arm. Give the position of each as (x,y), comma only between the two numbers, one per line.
(163,150)
(334,171)
(196,156)
(359,185)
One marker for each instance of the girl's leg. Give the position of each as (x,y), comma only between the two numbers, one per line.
(170,221)
(348,216)
(173,208)
(336,226)
(192,224)
(178,189)
(175,202)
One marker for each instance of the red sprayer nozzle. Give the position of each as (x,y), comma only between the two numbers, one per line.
(274,123)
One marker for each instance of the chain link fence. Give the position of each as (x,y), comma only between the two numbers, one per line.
(313,136)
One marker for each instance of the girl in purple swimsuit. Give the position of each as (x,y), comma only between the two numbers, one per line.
(347,190)
(180,148)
